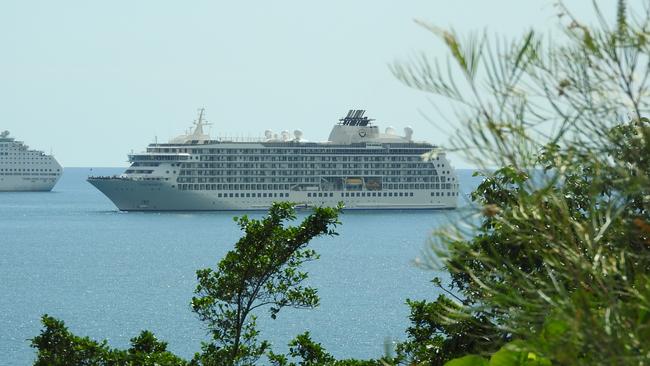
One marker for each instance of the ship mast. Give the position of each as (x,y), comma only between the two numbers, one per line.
(198,131)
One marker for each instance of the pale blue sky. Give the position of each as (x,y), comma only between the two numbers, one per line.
(93,80)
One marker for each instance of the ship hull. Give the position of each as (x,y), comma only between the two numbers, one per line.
(10,183)
(138,195)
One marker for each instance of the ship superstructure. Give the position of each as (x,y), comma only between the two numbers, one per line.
(358,165)
(22,169)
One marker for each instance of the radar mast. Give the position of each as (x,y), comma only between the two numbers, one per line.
(199,123)
(355,118)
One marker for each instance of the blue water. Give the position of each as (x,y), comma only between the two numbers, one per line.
(108,274)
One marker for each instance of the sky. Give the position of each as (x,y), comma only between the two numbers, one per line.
(93,80)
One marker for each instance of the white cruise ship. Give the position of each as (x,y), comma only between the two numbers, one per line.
(22,169)
(358,165)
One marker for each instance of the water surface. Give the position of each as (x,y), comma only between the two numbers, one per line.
(109,274)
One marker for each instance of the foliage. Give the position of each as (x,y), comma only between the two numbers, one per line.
(512,354)
(58,347)
(263,271)
(440,328)
(556,251)
(303,347)
(310,353)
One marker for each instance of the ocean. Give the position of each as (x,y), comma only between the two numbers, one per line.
(71,254)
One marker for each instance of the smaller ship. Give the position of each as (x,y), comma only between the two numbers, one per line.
(22,169)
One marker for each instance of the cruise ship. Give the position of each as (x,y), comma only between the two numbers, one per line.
(22,169)
(358,165)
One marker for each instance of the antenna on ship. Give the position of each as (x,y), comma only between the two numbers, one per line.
(355,117)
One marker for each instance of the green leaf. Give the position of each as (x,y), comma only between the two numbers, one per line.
(516,354)
(506,357)
(555,329)
(523,49)
(471,360)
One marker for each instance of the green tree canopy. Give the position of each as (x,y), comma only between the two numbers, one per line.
(263,271)
(555,250)
(57,346)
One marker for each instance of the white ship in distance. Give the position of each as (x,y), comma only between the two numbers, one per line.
(358,165)
(22,169)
